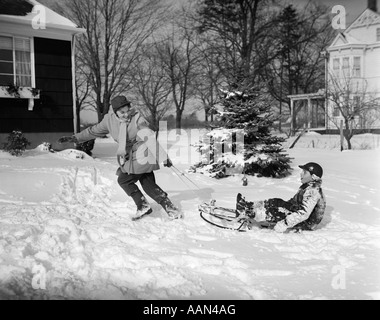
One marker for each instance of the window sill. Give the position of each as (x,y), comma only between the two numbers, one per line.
(20,93)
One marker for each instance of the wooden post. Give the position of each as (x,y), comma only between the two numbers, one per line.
(341,136)
(292,116)
(309,113)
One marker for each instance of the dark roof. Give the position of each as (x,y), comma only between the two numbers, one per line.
(15,7)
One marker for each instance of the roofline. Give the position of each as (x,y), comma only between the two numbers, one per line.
(363,46)
(339,35)
(23,22)
(356,19)
(352,23)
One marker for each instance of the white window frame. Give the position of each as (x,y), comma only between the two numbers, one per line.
(29,93)
(32,60)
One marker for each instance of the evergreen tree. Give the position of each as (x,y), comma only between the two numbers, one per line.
(262,153)
(16,143)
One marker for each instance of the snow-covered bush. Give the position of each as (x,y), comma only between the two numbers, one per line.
(45,146)
(16,143)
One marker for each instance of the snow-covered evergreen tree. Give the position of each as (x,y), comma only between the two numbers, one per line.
(259,152)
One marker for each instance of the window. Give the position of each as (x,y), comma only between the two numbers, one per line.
(336,112)
(15,61)
(356,104)
(378,34)
(336,66)
(356,72)
(346,67)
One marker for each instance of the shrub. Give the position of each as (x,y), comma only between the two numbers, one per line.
(16,144)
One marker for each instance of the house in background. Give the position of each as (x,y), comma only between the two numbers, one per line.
(37,72)
(353,71)
(354,68)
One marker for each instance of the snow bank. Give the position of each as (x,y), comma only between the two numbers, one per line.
(315,140)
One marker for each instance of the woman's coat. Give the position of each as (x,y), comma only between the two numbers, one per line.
(143,151)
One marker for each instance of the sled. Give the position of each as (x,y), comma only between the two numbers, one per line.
(224,218)
(230,219)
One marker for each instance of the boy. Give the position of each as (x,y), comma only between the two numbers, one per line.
(303,212)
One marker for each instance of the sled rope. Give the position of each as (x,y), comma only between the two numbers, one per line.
(185,183)
(180,174)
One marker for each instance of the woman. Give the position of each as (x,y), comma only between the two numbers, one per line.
(138,155)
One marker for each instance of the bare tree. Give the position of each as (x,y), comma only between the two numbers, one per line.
(115,31)
(238,30)
(82,90)
(353,103)
(178,52)
(209,79)
(151,85)
(298,40)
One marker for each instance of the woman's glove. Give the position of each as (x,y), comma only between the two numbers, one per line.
(65,139)
(281,226)
(168,163)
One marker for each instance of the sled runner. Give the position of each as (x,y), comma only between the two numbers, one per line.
(224,218)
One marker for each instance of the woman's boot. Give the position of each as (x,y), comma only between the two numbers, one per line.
(172,211)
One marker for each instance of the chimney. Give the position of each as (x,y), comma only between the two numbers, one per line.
(372,4)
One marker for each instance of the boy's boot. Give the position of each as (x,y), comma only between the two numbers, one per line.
(243,207)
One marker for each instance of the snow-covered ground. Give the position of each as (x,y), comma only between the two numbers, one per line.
(66,232)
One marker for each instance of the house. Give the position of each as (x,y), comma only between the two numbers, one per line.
(37,72)
(352,79)
(354,71)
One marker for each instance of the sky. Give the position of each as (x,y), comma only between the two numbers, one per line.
(353,7)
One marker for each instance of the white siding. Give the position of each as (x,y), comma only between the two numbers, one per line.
(372,68)
(365,34)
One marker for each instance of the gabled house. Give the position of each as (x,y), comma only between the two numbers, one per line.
(352,80)
(37,71)
(354,69)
